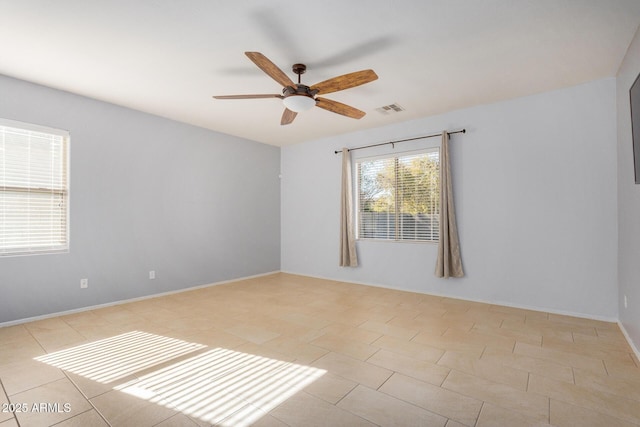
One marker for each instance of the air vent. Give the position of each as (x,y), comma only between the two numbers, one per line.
(390,109)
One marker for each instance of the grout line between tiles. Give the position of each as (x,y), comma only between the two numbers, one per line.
(86,398)
(8,400)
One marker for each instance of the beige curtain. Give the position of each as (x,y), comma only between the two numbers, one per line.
(449,263)
(348,255)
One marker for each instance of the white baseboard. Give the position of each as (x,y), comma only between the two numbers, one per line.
(110,304)
(629,340)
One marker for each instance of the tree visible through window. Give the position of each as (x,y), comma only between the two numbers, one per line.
(34,194)
(398,197)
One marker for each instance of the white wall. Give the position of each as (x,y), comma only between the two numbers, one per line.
(146,194)
(535,182)
(628,201)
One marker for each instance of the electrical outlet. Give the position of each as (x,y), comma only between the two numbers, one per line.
(84,283)
(625,301)
(152,274)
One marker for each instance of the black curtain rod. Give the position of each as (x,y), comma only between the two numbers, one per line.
(404,140)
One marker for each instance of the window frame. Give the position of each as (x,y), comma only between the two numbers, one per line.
(356,195)
(64,192)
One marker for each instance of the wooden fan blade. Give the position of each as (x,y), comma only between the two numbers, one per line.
(248,96)
(270,68)
(345,81)
(288,116)
(340,108)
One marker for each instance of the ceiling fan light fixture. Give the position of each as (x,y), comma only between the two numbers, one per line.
(299,103)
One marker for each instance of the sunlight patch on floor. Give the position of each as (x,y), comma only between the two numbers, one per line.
(218,386)
(224,387)
(117,357)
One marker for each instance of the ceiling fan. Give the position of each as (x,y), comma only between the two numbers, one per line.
(299,97)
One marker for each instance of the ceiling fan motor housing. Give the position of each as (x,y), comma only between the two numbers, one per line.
(300,90)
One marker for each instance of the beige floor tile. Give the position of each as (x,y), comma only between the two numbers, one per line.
(21,376)
(409,348)
(529,338)
(264,351)
(590,349)
(54,395)
(480,339)
(418,369)
(582,322)
(389,330)
(266,420)
(482,317)
(495,416)
(627,387)
(452,423)
(385,410)
(352,369)
(357,316)
(212,337)
(486,368)
(57,340)
(122,409)
(277,325)
(569,359)
(463,325)
(550,326)
(538,327)
(301,351)
(408,312)
(519,312)
(345,346)
(606,403)
(451,343)
(11,422)
(252,333)
(178,420)
(528,403)
(351,333)
(306,410)
(90,388)
(432,326)
(305,320)
(330,388)
(86,419)
(433,398)
(19,351)
(98,332)
(16,333)
(46,325)
(567,415)
(84,318)
(610,339)
(623,369)
(328,309)
(5,412)
(119,315)
(544,367)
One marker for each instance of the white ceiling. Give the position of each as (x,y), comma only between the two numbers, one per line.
(168,57)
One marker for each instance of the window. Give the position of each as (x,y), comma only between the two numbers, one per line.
(399,197)
(34,192)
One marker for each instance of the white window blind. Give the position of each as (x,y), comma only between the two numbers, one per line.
(34,193)
(398,197)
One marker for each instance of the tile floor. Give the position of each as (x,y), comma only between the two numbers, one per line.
(285,350)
